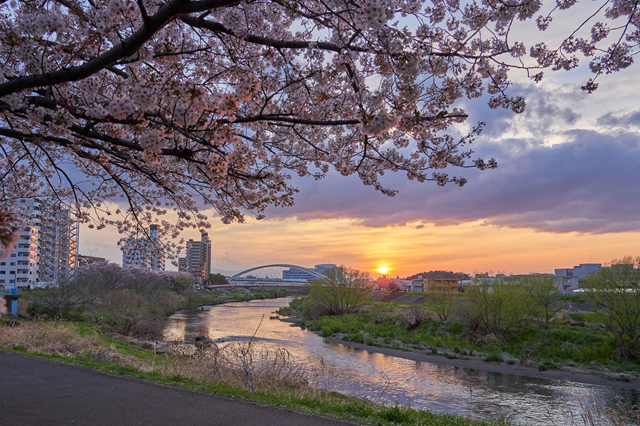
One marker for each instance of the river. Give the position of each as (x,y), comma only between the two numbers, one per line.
(389,379)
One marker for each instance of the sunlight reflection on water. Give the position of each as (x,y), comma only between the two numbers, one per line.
(390,379)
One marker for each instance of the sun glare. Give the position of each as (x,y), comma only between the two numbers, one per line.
(383,270)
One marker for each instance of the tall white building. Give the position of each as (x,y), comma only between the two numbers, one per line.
(47,248)
(198,257)
(144,252)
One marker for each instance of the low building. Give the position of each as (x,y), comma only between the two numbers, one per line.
(442,285)
(417,284)
(568,279)
(84,260)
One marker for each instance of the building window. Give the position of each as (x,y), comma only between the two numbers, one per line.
(3,272)
(3,263)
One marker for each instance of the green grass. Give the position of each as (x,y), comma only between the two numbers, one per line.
(558,344)
(330,404)
(493,357)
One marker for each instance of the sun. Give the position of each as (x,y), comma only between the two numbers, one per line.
(383,270)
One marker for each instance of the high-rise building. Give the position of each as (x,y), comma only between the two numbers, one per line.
(198,258)
(144,252)
(47,248)
(182,264)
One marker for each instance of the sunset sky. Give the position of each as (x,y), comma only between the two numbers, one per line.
(566,191)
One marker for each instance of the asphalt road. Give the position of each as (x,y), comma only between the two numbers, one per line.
(36,392)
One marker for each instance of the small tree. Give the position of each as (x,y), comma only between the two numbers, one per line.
(342,290)
(616,290)
(542,297)
(442,304)
(217,279)
(180,284)
(62,297)
(495,306)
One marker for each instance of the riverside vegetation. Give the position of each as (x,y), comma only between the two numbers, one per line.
(515,322)
(132,301)
(246,370)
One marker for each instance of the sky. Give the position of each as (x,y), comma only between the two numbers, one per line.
(566,191)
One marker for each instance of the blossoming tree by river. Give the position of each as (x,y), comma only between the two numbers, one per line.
(178,104)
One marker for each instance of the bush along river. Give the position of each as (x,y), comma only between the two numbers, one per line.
(395,380)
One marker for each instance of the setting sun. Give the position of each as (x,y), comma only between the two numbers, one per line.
(383,270)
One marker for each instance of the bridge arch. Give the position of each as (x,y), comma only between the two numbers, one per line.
(280,265)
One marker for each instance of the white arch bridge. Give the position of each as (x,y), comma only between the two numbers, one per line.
(275,275)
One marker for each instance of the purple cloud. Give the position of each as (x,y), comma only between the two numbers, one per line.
(588,184)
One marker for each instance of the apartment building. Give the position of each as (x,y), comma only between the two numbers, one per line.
(441,285)
(47,248)
(145,252)
(198,258)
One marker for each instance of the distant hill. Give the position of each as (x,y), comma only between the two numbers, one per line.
(440,274)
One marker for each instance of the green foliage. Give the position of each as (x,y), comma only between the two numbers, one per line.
(511,362)
(395,414)
(616,291)
(493,356)
(180,284)
(342,291)
(547,365)
(217,279)
(542,298)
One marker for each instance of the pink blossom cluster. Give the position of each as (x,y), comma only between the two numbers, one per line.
(178,104)
(9,233)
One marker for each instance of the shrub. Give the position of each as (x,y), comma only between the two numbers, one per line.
(546,365)
(326,332)
(414,317)
(511,362)
(493,357)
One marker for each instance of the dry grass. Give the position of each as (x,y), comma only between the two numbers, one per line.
(246,364)
(47,337)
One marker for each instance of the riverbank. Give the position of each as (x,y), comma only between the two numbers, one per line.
(212,369)
(444,357)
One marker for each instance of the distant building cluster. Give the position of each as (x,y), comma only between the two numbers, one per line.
(144,252)
(569,278)
(299,275)
(47,248)
(197,261)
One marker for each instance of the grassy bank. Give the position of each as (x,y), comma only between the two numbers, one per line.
(381,325)
(276,379)
(198,299)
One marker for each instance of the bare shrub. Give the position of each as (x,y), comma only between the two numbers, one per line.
(414,316)
(249,365)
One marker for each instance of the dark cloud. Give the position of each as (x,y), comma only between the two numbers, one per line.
(631,119)
(588,184)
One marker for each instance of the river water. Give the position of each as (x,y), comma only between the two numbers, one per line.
(388,379)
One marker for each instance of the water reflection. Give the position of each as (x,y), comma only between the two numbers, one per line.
(389,379)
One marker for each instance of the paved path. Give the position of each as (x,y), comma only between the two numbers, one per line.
(36,392)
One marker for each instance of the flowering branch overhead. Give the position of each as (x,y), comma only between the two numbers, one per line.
(172,104)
